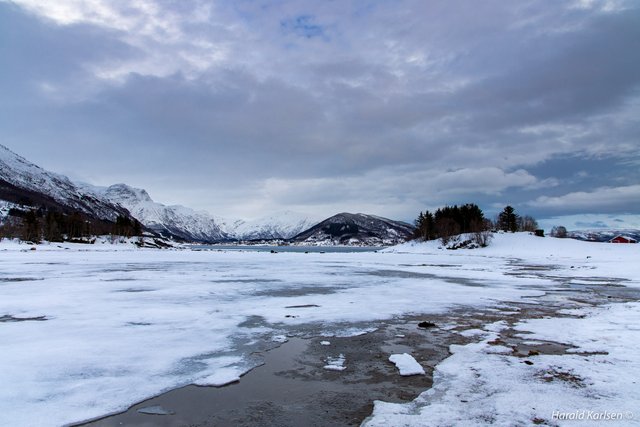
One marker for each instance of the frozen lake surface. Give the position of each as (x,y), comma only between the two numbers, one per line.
(289,248)
(86,331)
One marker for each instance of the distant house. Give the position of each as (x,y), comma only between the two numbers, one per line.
(623,239)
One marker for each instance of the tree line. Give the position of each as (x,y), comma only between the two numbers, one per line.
(36,225)
(450,221)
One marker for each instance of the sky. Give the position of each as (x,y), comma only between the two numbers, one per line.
(248,107)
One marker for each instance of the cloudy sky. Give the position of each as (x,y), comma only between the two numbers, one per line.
(247,107)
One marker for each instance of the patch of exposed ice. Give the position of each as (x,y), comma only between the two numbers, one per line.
(406,364)
(496,326)
(221,371)
(348,332)
(472,332)
(335,363)
(279,338)
(155,410)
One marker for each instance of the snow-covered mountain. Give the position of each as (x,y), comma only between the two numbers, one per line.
(25,184)
(356,229)
(199,226)
(169,221)
(282,225)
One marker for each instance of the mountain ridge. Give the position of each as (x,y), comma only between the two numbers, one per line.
(356,229)
(177,222)
(26,185)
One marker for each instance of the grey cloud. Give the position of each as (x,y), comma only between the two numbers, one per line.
(596,70)
(604,199)
(34,52)
(406,103)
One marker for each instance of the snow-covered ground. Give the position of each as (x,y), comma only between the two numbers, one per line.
(483,383)
(87,330)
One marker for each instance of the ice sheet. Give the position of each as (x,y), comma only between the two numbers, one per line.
(118,325)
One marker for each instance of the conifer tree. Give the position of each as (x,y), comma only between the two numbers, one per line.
(508,220)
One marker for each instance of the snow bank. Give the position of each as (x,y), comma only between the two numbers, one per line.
(590,259)
(101,243)
(524,245)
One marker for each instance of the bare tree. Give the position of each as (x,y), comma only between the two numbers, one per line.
(527,223)
(559,231)
(448,229)
(481,231)
(11,227)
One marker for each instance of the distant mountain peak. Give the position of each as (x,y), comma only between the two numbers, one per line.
(170,221)
(280,225)
(359,228)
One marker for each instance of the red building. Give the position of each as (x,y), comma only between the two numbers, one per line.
(623,239)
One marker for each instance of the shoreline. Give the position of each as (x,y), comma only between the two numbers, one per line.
(291,387)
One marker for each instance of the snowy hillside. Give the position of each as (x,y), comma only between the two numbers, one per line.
(539,249)
(25,183)
(283,225)
(170,221)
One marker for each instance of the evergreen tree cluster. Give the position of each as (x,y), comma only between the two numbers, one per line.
(509,220)
(450,221)
(127,227)
(35,225)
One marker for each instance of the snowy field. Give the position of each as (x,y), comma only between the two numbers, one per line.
(89,330)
